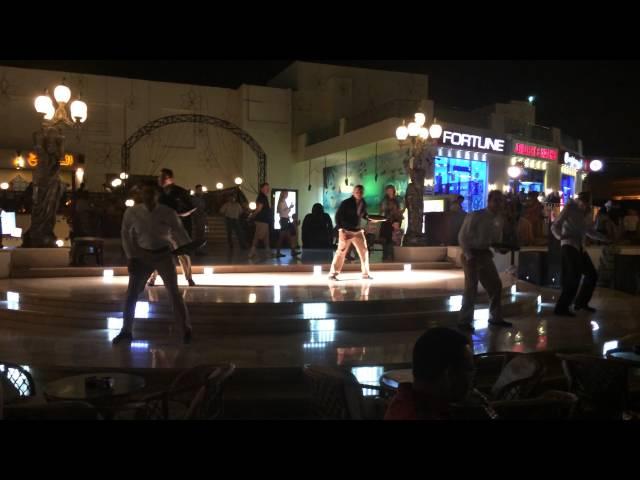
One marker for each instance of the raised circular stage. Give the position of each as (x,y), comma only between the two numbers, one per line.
(255,303)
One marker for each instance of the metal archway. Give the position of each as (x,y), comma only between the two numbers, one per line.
(201,119)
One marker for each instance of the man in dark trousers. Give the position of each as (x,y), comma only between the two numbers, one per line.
(348,220)
(571,228)
(480,231)
(262,217)
(179,199)
(150,232)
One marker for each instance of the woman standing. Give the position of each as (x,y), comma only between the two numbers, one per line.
(283,212)
(389,208)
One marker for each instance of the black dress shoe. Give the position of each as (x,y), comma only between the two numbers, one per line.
(122,337)
(564,313)
(585,307)
(466,327)
(500,323)
(187,337)
(191,283)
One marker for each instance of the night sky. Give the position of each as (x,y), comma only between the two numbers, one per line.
(598,101)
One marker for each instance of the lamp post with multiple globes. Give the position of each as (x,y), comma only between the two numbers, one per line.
(49,145)
(421,141)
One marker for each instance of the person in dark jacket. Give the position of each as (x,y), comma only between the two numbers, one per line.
(348,219)
(179,199)
(317,229)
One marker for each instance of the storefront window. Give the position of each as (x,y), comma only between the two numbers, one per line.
(568,185)
(531,181)
(456,176)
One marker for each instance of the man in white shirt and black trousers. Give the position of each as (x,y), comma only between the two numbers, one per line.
(571,228)
(150,233)
(480,231)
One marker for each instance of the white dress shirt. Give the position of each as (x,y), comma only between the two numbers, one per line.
(573,225)
(151,230)
(479,231)
(283,209)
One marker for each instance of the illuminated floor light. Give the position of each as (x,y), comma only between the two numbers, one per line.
(139,345)
(407,268)
(107,274)
(114,323)
(514,289)
(594,326)
(276,294)
(142,310)
(317,346)
(322,331)
(208,270)
(60,243)
(455,303)
(368,376)
(314,311)
(13,301)
(252,298)
(317,270)
(609,346)
(481,318)
(539,299)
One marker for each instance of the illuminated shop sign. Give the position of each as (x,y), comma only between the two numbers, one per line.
(573,160)
(476,142)
(67,161)
(535,151)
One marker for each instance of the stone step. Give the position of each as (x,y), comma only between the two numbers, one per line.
(265,322)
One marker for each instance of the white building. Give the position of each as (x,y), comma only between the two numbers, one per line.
(310,120)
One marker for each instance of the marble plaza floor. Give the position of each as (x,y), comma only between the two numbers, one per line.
(80,344)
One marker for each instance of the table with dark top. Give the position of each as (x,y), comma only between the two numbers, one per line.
(104,399)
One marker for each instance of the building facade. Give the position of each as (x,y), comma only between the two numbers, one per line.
(324,129)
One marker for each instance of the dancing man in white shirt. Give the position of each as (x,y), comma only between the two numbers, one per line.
(480,231)
(150,232)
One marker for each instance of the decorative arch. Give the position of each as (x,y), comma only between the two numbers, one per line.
(200,119)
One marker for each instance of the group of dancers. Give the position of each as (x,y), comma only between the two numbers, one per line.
(157,229)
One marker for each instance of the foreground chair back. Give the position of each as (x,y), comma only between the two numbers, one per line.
(519,379)
(17,381)
(336,393)
(552,405)
(599,383)
(195,394)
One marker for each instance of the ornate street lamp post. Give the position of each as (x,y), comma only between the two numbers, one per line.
(49,146)
(421,141)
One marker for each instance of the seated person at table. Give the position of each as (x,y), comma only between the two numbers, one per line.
(317,229)
(442,371)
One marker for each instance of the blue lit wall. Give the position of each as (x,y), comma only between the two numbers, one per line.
(457,176)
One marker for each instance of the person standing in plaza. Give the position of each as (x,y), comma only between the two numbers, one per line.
(349,218)
(389,208)
(150,232)
(284,212)
(571,228)
(232,211)
(480,231)
(262,218)
(179,199)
